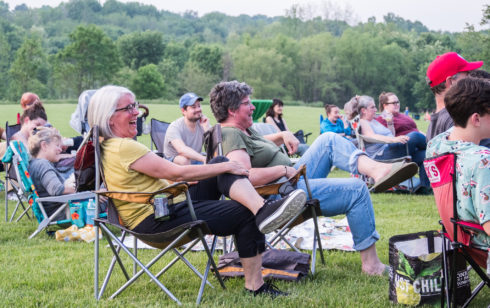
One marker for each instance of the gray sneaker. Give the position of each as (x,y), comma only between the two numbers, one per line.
(275,213)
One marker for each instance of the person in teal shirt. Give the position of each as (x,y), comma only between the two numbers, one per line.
(334,123)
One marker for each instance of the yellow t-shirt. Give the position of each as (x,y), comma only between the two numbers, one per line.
(117,155)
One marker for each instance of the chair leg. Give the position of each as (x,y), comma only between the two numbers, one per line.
(47,221)
(145,269)
(206,272)
(445,296)
(317,234)
(210,258)
(111,266)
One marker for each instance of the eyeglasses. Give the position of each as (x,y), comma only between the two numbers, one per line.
(129,108)
(394,103)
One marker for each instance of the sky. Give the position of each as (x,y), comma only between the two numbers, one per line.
(444,15)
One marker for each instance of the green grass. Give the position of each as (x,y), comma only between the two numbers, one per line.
(43,272)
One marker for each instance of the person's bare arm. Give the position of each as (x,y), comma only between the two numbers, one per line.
(368,132)
(157,167)
(186,151)
(486,227)
(286,138)
(270,121)
(260,176)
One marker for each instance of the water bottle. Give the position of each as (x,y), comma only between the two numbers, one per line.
(90,212)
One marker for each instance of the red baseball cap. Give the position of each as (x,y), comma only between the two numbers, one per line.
(448,64)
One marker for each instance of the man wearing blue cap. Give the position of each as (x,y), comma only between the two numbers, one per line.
(184,137)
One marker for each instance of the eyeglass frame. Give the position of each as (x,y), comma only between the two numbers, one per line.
(392,103)
(129,108)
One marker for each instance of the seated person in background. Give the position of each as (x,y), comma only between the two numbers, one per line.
(184,137)
(365,107)
(34,117)
(274,117)
(27,99)
(334,122)
(232,108)
(45,149)
(391,117)
(131,167)
(468,104)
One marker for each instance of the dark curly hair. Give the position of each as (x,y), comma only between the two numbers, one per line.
(227,95)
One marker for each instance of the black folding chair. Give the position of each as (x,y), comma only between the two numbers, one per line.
(11,178)
(311,210)
(157,134)
(170,240)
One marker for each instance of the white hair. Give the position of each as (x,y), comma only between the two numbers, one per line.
(102,106)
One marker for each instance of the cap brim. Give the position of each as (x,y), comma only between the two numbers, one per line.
(472,66)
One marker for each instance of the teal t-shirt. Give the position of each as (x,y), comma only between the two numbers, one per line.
(262,152)
(472,181)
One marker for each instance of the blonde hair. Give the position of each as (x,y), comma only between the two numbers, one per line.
(40,134)
(102,106)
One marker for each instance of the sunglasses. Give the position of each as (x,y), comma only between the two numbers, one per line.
(129,108)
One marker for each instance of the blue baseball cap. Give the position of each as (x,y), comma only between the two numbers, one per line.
(189,99)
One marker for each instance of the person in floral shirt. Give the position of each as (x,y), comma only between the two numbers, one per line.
(468,103)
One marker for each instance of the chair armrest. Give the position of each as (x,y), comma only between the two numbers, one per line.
(273,188)
(144,197)
(66,198)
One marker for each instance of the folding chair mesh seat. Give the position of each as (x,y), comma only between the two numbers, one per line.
(157,134)
(441,171)
(311,210)
(10,177)
(191,232)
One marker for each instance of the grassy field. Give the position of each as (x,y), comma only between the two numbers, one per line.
(43,272)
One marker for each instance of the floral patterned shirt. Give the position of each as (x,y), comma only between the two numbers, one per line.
(472,182)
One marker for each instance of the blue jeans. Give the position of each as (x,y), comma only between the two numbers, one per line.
(347,196)
(416,149)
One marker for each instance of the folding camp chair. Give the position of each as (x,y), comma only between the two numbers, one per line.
(157,134)
(17,156)
(191,232)
(361,145)
(267,129)
(441,171)
(10,178)
(213,146)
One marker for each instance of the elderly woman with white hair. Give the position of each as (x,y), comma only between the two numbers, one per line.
(366,108)
(130,166)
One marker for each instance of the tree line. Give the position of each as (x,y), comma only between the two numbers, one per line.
(60,51)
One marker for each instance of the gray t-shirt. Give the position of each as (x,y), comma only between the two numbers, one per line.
(48,182)
(178,130)
(439,122)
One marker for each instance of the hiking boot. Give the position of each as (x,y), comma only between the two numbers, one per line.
(268,289)
(275,213)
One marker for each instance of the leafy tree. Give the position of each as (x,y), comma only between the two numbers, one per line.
(24,71)
(193,79)
(141,48)
(263,69)
(91,58)
(148,82)
(208,59)
(4,65)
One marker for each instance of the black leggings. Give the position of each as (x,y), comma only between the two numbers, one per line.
(223,217)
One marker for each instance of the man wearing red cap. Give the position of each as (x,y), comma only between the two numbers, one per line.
(442,73)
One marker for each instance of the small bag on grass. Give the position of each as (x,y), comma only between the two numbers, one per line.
(415,269)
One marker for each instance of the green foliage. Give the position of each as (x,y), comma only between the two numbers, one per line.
(141,48)
(26,68)
(91,58)
(311,54)
(148,82)
(207,58)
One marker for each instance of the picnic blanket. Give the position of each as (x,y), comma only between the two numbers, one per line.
(334,233)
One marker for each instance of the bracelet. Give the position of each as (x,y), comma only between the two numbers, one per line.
(286,169)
